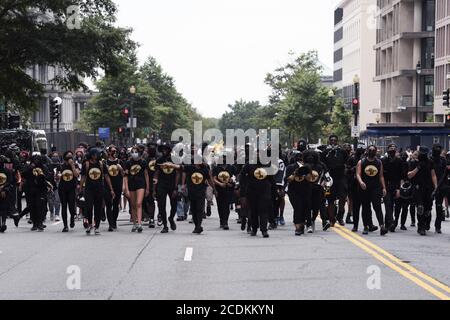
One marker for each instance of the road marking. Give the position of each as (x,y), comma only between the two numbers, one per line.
(389,260)
(188,254)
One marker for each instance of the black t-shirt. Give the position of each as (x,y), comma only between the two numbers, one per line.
(135,170)
(257,181)
(317,172)
(335,159)
(14,166)
(36,177)
(370,173)
(423,177)
(393,172)
(224,173)
(94,173)
(440,165)
(196,180)
(166,176)
(114,173)
(300,183)
(68,180)
(6,180)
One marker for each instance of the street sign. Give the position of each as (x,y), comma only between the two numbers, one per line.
(355,131)
(103,133)
(134,123)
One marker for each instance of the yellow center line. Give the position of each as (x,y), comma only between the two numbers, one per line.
(398,261)
(361,244)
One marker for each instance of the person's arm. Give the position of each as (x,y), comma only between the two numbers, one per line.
(108,182)
(147,183)
(434,179)
(211,182)
(413,173)
(183,181)
(358,175)
(383,184)
(76,172)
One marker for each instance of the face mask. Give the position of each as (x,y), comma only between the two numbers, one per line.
(423,157)
(391,153)
(436,153)
(135,155)
(372,153)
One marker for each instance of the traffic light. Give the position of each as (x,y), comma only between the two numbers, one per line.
(126,113)
(54,109)
(355,105)
(446,98)
(447,120)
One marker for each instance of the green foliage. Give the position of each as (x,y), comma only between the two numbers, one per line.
(340,124)
(36,33)
(243,115)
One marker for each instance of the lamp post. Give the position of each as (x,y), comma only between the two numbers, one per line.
(356,104)
(418,72)
(331,97)
(133,94)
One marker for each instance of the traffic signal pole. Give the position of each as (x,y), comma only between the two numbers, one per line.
(356,113)
(51,104)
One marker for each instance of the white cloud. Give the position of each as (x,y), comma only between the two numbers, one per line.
(219,51)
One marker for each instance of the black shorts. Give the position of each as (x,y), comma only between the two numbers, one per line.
(136,185)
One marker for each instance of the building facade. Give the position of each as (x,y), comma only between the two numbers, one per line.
(405,54)
(73,102)
(354,38)
(442,62)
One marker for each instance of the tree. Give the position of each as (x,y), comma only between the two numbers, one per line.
(37,33)
(243,115)
(340,123)
(300,97)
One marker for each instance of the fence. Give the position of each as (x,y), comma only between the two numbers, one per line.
(69,140)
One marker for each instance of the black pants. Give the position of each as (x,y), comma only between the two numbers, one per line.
(371,198)
(112,205)
(406,205)
(424,206)
(149,206)
(302,208)
(224,199)
(19,200)
(38,206)
(440,212)
(318,203)
(355,195)
(197,209)
(94,205)
(67,198)
(260,207)
(161,196)
(392,206)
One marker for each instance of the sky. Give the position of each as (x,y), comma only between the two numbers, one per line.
(219,51)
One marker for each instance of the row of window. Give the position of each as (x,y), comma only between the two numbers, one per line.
(443,41)
(442,83)
(442,9)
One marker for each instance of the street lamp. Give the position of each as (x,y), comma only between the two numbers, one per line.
(356,106)
(418,72)
(133,94)
(331,97)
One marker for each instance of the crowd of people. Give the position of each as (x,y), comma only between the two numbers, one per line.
(93,184)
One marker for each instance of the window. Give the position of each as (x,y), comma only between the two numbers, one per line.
(428,97)
(338,35)
(429,15)
(428,53)
(338,55)
(337,76)
(338,15)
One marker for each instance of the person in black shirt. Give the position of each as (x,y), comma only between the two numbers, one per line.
(444,184)
(423,177)
(93,173)
(298,177)
(393,176)
(195,180)
(316,178)
(38,183)
(353,185)
(259,189)
(335,159)
(136,186)
(6,182)
(369,173)
(115,173)
(149,201)
(68,173)
(166,182)
(223,175)
(440,164)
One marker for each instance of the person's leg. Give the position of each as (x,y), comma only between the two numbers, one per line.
(389,209)
(162,198)
(98,209)
(71,201)
(412,212)
(254,218)
(356,207)
(109,208)
(376,196)
(440,212)
(366,209)
(139,200)
(63,195)
(263,213)
(89,209)
(173,204)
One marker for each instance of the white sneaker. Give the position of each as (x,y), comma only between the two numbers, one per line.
(57,219)
(310,230)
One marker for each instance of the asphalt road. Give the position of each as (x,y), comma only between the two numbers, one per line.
(222,264)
